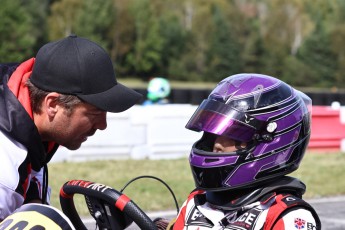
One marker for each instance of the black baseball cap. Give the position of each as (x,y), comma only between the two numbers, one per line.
(80,67)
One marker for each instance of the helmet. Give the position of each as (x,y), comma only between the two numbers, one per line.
(158,88)
(271,117)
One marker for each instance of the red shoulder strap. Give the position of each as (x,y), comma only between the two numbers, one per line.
(179,223)
(274,212)
(282,203)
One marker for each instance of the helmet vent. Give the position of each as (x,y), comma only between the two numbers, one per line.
(210,160)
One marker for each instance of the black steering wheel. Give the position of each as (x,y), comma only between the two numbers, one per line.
(110,208)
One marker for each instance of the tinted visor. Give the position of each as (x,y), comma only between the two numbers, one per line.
(221,119)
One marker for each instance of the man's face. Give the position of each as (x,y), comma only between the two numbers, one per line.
(72,129)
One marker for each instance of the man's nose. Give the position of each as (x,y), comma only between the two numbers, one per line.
(101,123)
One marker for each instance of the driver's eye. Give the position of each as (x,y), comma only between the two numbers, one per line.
(226,144)
(240,145)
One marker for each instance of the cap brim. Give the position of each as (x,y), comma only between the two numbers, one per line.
(117,99)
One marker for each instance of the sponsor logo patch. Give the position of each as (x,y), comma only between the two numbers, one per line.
(310,226)
(247,220)
(196,218)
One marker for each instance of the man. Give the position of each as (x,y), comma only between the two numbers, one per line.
(61,97)
(255,131)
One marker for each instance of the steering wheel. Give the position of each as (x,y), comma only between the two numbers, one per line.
(110,208)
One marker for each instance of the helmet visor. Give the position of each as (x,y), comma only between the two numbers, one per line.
(221,119)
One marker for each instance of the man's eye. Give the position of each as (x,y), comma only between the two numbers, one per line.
(96,113)
(92,114)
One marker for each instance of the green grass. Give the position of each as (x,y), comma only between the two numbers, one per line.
(138,83)
(321,172)
(149,194)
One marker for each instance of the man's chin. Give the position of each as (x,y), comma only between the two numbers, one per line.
(73,146)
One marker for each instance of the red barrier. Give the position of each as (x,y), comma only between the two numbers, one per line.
(327,131)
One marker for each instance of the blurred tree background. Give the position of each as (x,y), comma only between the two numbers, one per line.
(299,41)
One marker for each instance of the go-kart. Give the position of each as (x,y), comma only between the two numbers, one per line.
(110,208)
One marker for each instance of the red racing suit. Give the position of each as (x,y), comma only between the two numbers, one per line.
(272,212)
(23,154)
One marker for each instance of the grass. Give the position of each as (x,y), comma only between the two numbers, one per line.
(321,172)
(148,194)
(138,83)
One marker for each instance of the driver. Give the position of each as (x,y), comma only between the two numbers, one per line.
(255,131)
(61,97)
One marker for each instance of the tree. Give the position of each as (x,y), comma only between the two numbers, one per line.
(337,37)
(38,11)
(253,50)
(95,20)
(174,43)
(16,26)
(62,18)
(284,25)
(224,55)
(145,55)
(86,18)
(316,53)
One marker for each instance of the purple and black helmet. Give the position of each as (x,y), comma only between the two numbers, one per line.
(269,115)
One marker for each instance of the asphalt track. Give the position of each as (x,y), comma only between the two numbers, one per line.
(331,211)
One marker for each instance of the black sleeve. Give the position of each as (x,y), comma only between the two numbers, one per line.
(33,192)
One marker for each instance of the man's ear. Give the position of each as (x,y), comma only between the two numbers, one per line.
(50,104)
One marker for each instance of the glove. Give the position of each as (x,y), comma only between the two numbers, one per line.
(161,223)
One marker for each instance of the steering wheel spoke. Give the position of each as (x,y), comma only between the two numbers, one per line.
(110,208)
